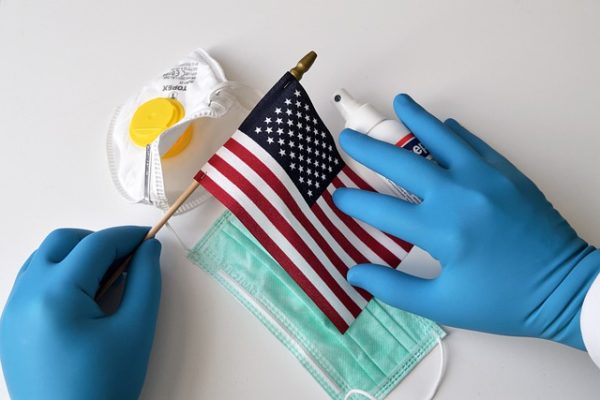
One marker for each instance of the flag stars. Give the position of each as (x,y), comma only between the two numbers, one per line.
(288,112)
(290,132)
(310,193)
(293,166)
(297,93)
(298,104)
(290,122)
(267,120)
(299,125)
(279,121)
(270,140)
(291,144)
(282,152)
(278,111)
(280,142)
(258,129)
(292,155)
(288,102)
(280,131)
(314,121)
(269,129)
(299,114)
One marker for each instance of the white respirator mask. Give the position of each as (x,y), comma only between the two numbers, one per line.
(161,136)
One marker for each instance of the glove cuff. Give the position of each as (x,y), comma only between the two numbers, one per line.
(590,319)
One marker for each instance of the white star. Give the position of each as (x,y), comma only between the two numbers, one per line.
(267,120)
(309,139)
(282,152)
(278,111)
(301,157)
(308,128)
(293,165)
(317,185)
(289,122)
(317,142)
(307,117)
(301,146)
(316,164)
(323,165)
(290,132)
(300,136)
(301,180)
(335,161)
(317,152)
(299,125)
(258,130)
(299,114)
(280,141)
(298,104)
(280,131)
(279,121)
(323,134)
(292,154)
(308,161)
(288,111)
(323,176)
(301,168)
(291,144)
(310,193)
(325,145)
(314,121)
(308,171)
(309,149)
(330,169)
(269,129)
(309,182)
(329,158)
(323,155)
(306,107)
(288,102)
(270,140)
(297,93)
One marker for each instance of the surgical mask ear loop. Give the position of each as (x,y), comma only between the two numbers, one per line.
(441,373)
(181,242)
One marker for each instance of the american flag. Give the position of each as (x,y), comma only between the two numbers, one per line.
(277,174)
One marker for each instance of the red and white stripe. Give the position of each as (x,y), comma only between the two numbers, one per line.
(315,245)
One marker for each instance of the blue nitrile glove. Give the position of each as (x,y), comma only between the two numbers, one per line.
(510,263)
(56,343)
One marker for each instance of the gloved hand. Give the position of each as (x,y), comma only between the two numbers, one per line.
(510,263)
(55,341)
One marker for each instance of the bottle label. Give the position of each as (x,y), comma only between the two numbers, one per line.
(410,142)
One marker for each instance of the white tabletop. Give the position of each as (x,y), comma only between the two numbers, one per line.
(523,75)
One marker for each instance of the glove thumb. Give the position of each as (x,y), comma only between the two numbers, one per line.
(407,292)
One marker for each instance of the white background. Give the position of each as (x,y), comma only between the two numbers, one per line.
(523,75)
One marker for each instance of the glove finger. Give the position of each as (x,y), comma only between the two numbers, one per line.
(445,146)
(139,306)
(93,256)
(484,149)
(407,292)
(59,243)
(404,167)
(386,213)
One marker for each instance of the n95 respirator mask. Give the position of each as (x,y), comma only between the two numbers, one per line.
(163,134)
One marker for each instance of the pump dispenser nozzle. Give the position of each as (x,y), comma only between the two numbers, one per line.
(358,116)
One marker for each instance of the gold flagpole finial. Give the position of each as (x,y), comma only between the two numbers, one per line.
(303,65)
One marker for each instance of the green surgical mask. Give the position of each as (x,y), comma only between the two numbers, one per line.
(378,350)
